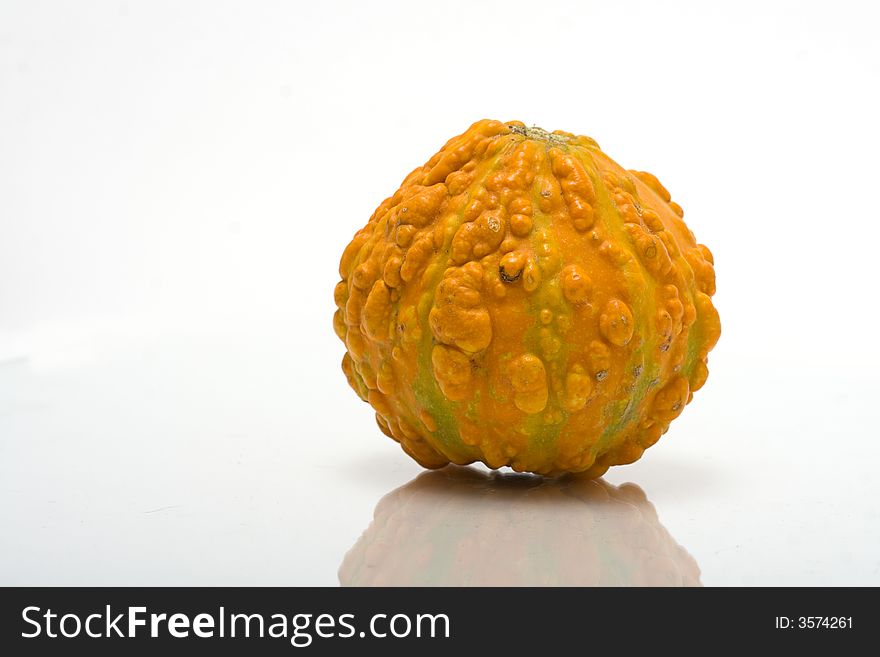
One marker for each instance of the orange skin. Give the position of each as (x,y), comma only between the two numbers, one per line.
(524,301)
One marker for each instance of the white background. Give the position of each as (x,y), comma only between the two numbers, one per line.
(178,180)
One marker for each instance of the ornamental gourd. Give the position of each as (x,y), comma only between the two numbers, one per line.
(524,301)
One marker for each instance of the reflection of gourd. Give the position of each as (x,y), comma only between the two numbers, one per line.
(461,527)
(523,300)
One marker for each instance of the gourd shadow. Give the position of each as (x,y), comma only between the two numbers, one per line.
(459,526)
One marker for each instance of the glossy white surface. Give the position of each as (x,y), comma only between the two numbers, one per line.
(177,183)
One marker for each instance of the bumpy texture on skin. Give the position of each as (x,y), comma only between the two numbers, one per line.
(461,527)
(524,301)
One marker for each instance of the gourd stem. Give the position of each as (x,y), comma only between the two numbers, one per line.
(538,134)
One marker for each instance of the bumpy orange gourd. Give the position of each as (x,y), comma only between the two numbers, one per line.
(523,300)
